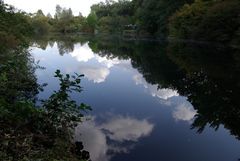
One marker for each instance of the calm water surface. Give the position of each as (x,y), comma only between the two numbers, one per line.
(152,101)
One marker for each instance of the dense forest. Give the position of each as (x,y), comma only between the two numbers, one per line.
(201,20)
(212,20)
(204,20)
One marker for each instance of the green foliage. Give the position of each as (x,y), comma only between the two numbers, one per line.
(62,111)
(40,23)
(17,63)
(65,22)
(187,19)
(32,133)
(152,15)
(106,24)
(29,132)
(92,21)
(113,16)
(63,19)
(207,21)
(14,27)
(220,23)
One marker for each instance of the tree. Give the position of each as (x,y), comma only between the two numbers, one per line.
(58,12)
(64,20)
(14,26)
(49,16)
(216,21)
(40,23)
(40,13)
(92,20)
(111,16)
(152,15)
(80,15)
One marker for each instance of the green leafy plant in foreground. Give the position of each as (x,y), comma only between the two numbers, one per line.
(45,133)
(62,111)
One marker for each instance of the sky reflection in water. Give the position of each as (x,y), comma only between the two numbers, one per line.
(131,119)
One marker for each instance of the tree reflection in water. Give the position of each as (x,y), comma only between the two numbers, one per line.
(207,75)
(211,84)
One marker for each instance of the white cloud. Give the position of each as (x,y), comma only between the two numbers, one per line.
(182,109)
(95,74)
(108,62)
(99,70)
(117,129)
(49,6)
(82,53)
(94,140)
(184,112)
(163,93)
(127,129)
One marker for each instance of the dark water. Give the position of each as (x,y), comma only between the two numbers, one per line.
(152,101)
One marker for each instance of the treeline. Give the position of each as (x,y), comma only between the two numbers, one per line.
(205,20)
(202,20)
(63,21)
(149,16)
(16,24)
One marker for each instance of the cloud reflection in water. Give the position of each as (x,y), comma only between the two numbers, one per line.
(82,53)
(182,109)
(117,135)
(98,71)
(95,74)
(184,112)
(163,93)
(101,68)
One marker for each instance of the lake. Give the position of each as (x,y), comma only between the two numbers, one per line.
(151,100)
